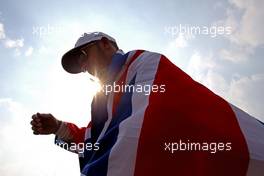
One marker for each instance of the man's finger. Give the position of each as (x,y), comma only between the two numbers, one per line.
(35,132)
(35,123)
(35,128)
(43,115)
(38,130)
(34,116)
(37,119)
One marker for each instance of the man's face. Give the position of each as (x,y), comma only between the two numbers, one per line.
(95,59)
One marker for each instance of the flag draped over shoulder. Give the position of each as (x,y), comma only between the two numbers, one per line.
(179,128)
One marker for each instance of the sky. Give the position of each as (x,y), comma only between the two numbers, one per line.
(218,43)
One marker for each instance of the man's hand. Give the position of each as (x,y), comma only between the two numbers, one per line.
(44,124)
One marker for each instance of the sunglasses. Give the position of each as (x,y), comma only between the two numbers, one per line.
(84,54)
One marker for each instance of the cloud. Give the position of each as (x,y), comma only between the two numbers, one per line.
(247,93)
(202,69)
(2,31)
(179,42)
(246,20)
(250,24)
(216,82)
(17,43)
(29,51)
(236,54)
(177,49)
(199,65)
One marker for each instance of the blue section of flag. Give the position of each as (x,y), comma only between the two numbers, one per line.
(98,164)
(118,60)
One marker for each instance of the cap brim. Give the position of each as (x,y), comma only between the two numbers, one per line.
(69,60)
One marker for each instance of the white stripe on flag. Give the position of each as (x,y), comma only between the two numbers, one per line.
(123,154)
(253,132)
(110,100)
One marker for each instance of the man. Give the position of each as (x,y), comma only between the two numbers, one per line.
(154,119)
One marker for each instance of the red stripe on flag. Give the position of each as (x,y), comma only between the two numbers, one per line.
(77,133)
(122,80)
(188,111)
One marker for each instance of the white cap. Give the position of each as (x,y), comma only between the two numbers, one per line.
(69,59)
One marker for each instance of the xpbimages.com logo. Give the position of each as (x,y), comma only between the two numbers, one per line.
(146,89)
(191,30)
(78,148)
(212,147)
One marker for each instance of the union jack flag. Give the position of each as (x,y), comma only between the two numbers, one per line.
(135,129)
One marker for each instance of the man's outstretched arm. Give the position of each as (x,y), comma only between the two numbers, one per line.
(65,132)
